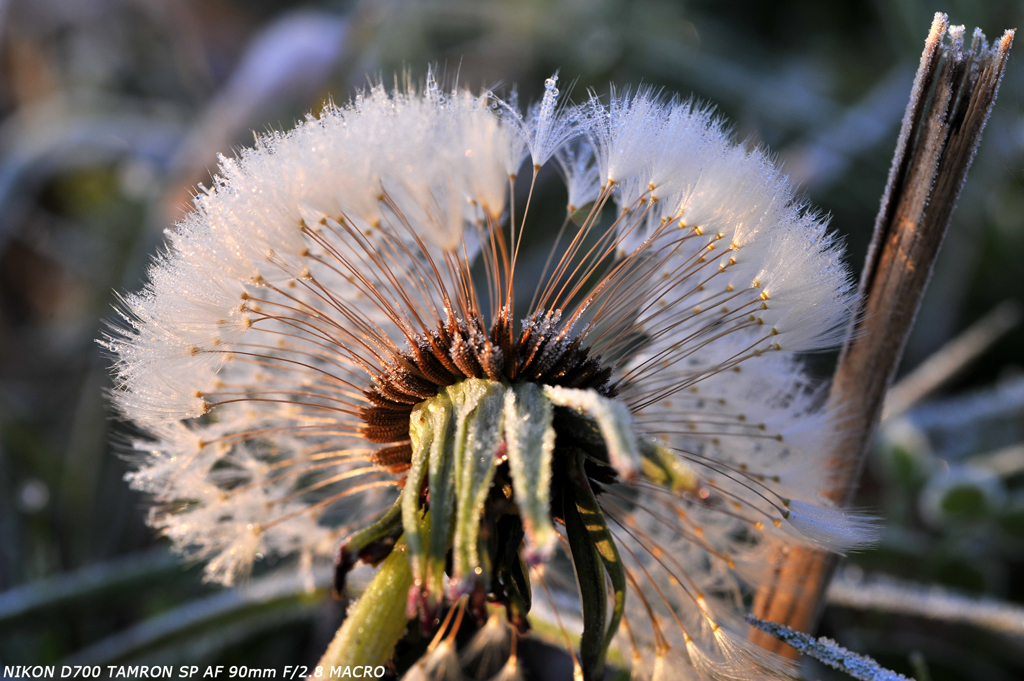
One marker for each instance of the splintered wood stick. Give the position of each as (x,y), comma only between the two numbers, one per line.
(953,94)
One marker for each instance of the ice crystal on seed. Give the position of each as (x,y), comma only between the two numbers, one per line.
(325,289)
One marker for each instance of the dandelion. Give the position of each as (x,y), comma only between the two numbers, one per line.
(333,349)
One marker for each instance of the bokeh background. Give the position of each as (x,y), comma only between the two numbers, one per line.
(111,114)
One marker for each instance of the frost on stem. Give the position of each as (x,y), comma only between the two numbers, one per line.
(827,651)
(928,601)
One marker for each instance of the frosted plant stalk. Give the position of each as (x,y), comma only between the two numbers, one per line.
(316,361)
(931,602)
(829,652)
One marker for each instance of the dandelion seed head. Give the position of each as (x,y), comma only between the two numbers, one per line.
(340,307)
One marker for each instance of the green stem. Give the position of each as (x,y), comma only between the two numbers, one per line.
(376,622)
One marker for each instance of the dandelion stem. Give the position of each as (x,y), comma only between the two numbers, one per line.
(376,622)
(953,93)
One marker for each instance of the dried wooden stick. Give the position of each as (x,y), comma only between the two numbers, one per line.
(953,94)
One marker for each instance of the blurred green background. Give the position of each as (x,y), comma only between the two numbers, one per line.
(112,111)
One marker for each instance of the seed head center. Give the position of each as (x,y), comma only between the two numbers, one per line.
(544,353)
